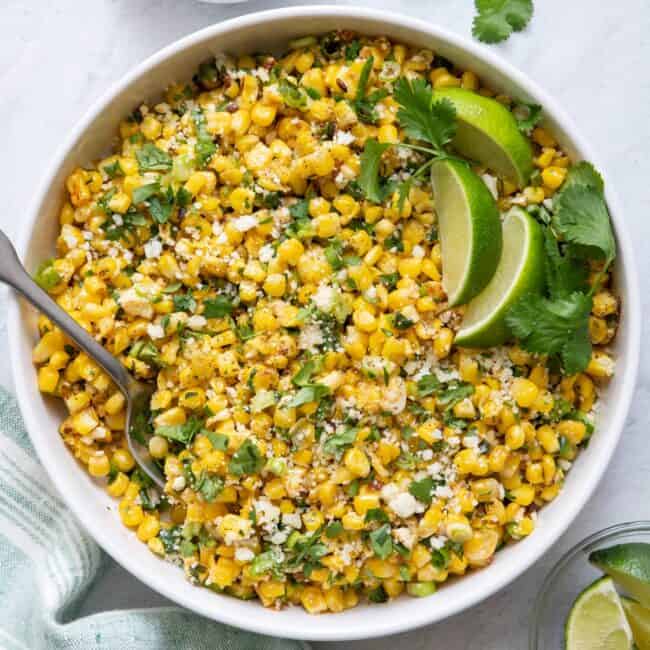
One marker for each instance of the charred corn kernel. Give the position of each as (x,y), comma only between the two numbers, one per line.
(543,138)
(600,366)
(480,549)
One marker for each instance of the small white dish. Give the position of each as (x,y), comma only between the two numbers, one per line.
(98,512)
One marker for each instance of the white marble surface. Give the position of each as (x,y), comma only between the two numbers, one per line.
(57,57)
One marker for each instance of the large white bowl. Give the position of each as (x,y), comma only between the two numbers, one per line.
(95,509)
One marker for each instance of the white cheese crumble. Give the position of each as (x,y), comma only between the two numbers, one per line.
(310,337)
(178,483)
(266,253)
(244,554)
(403,505)
(196,322)
(324,297)
(153,248)
(155,331)
(244,223)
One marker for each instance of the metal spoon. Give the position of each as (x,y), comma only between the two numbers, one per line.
(137,393)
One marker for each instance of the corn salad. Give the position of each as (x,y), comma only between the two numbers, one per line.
(323,440)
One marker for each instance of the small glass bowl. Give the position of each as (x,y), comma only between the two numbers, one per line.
(569,577)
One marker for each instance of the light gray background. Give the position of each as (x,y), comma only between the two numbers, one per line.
(57,56)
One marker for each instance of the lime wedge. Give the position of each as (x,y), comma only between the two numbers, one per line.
(520,270)
(469,227)
(488,133)
(639,619)
(629,566)
(597,620)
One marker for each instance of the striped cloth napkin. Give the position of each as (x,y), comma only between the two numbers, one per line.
(47,563)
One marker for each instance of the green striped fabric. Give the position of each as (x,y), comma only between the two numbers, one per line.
(47,563)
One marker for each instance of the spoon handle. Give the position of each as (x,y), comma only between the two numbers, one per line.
(13,273)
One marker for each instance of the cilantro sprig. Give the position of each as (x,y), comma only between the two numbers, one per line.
(430,125)
(497,19)
(556,322)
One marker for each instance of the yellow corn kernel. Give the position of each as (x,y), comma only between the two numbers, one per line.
(524,391)
(480,549)
(352,521)
(312,600)
(457,528)
(357,462)
(573,430)
(48,379)
(148,528)
(119,485)
(523,495)
(553,177)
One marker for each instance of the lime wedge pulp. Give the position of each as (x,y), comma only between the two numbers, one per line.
(469,227)
(488,133)
(520,270)
(639,619)
(597,620)
(629,566)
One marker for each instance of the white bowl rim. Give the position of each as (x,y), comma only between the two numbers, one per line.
(378,625)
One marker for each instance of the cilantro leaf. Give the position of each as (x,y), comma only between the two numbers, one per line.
(46,276)
(564,274)
(376,514)
(528,116)
(209,486)
(428,385)
(420,117)
(582,218)
(381,541)
(182,433)
(205,146)
(151,158)
(113,169)
(559,326)
(184,302)
(422,490)
(219,440)
(160,209)
(217,307)
(246,460)
(335,444)
(309,393)
(453,393)
(292,95)
(145,192)
(369,178)
(334,529)
(364,106)
(497,19)
(583,173)
(303,376)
